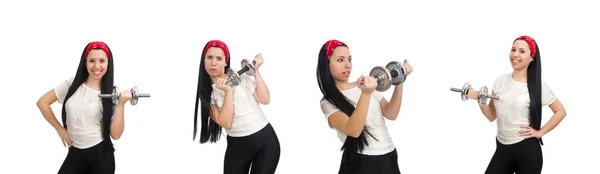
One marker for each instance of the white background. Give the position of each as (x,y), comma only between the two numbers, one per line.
(157,47)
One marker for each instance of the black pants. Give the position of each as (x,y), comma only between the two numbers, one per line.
(261,150)
(93,160)
(524,157)
(372,164)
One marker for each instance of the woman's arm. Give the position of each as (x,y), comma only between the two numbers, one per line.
(352,126)
(392,108)
(261,93)
(44,105)
(117,124)
(489,110)
(559,114)
(224,117)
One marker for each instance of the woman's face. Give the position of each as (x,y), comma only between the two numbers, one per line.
(340,64)
(520,55)
(96,64)
(214,61)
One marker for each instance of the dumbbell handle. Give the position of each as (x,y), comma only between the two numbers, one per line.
(111,96)
(456,89)
(487,96)
(241,71)
(493,97)
(105,95)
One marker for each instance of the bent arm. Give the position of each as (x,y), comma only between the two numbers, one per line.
(224,117)
(392,108)
(261,93)
(489,110)
(352,126)
(44,105)
(559,114)
(117,124)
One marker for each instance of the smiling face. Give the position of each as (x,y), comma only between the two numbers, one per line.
(520,55)
(340,64)
(96,64)
(215,62)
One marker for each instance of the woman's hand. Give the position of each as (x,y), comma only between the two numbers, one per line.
(64,136)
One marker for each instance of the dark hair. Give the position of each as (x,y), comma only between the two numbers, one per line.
(106,85)
(534,85)
(332,94)
(210,130)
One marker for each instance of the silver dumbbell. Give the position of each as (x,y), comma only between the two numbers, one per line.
(481,98)
(393,74)
(115,96)
(234,77)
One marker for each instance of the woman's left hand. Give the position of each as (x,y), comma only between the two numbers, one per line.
(528,132)
(124,97)
(407,67)
(258,61)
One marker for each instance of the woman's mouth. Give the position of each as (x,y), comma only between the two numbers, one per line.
(346,73)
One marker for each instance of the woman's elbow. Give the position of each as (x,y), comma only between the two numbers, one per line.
(265,101)
(115,137)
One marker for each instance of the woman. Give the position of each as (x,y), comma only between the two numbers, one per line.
(519,111)
(251,140)
(357,112)
(88,121)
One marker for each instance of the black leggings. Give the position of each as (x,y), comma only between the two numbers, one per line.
(261,150)
(524,157)
(372,164)
(93,160)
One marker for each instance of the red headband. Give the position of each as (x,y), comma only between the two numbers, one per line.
(97,45)
(331,45)
(531,44)
(219,44)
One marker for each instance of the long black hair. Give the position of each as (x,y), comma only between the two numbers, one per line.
(534,85)
(332,94)
(106,85)
(209,130)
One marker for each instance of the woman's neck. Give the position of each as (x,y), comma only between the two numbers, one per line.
(520,75)
(344,85)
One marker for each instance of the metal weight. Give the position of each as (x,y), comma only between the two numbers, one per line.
(234,77)
(393,74)
(383,78)
(246,63)
(481,98)
(115,95)
(463,91)
(397,72)
(483,95)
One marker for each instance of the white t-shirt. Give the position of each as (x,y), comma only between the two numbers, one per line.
(375,122)
(84,114)
(512,110)
(248,117)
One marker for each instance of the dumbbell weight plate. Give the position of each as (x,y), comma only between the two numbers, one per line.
(397,72)
(465,90)
(383,78)
(235,78)
(134,96)
(250,71)
(115,95)
(482,93)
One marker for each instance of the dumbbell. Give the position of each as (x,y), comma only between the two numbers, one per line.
(481,98)
(393,74)
(234,77)
(116,94)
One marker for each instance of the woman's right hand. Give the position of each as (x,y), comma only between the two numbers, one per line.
(366,83)
(220,84)
(64,136)
(473,94)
